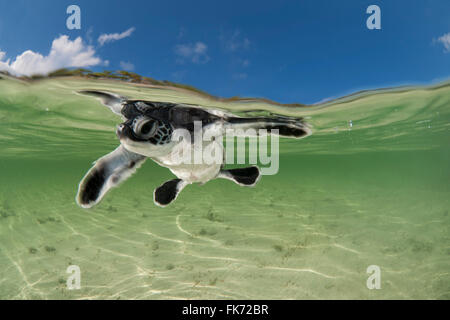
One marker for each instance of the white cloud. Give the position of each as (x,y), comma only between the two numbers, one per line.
(240,76)
(110,37)
(179,75)
(234,42)
(195,52)
(445,40)
(127,66)
(181,33)
(244,62)
(64,53)
(89,35)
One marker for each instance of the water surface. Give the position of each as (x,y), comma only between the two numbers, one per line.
(369,187)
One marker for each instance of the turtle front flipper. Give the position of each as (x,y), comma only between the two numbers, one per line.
(107,172)
(110,100)
(168,192)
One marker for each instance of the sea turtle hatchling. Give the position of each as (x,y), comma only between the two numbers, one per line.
(147,132)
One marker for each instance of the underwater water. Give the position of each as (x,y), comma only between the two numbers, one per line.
(370,186)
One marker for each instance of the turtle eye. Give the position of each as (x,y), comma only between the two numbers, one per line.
(145,128)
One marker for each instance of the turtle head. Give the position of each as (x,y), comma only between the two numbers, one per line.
(143,135)
(139,129)
(131,110)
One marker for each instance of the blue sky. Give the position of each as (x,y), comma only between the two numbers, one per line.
(288,51)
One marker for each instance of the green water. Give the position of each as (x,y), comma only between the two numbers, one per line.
(345,198)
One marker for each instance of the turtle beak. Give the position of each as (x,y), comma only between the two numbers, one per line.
(123,131)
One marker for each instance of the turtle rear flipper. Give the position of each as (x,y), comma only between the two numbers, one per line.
(107,172)
(168,192)
(284,127)
(242,176)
